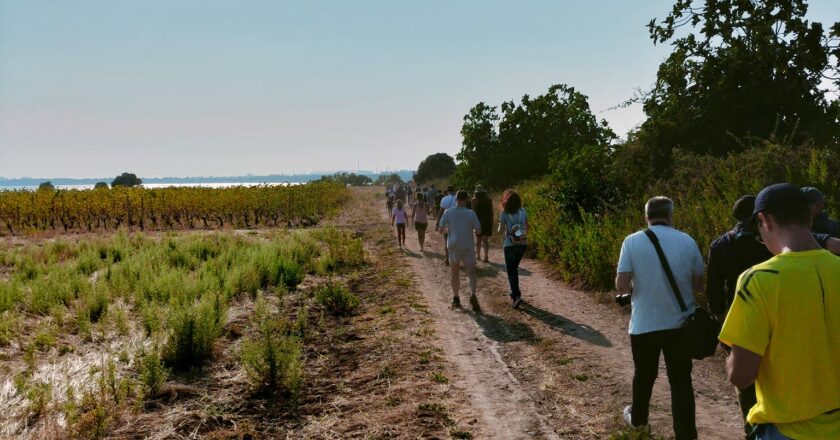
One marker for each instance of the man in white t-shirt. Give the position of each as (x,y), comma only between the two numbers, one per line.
(656,318)
(461,225)
(447,202)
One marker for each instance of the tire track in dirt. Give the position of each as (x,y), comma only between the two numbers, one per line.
(514,363)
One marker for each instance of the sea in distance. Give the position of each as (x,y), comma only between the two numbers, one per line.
(160,185)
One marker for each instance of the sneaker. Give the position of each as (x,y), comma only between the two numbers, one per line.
(517,302)
(456,301)
(628,415)
(486,260)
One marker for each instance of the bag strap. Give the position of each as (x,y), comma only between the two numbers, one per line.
(668,273)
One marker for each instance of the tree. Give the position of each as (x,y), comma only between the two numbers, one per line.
(46,186)
(745,69)
(100,185)
(529,139)
(387,179)
(435,166)
(126,179)
(344,178)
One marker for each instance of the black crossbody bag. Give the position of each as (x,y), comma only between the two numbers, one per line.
(701,331)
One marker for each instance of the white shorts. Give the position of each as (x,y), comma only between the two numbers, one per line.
(457,256)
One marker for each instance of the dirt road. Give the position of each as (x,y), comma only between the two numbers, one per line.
(560,366)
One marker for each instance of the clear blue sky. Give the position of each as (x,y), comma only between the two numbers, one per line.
(205,87)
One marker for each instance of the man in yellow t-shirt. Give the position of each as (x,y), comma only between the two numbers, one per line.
(784,325)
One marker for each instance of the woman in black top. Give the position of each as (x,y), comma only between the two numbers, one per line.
(483,207)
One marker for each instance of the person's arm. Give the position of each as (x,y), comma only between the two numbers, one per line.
(443,222)
(476,224)
(715,282)
(833,245)
(742,367)
(623,282)
(413,211)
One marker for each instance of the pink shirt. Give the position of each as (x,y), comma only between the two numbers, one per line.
(400,215)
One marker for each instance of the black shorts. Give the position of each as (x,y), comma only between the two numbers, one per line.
(420,227)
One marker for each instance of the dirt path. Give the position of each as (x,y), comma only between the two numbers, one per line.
(560,367)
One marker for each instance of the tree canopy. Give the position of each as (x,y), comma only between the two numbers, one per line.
(46,186)
(126,179)
(344,178)
(435,166)
(739,70)
(101,185)
(528,139)
(387,179)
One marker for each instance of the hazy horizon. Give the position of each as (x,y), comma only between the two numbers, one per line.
(95,88)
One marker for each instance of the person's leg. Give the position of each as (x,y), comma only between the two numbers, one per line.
(446,248)
(646,348)
(512,271)
(469,268)
(678,365)
(478,248)
(455,279)
(486,240)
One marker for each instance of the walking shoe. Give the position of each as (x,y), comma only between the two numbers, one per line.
(628,415)
(456,302)
(517,301)
(474,303)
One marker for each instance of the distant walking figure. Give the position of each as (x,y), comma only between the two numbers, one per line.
(420,216)
(483,207)
(513,223)
(400,217)
(460,224)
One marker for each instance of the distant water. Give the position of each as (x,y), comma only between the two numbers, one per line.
(164,185)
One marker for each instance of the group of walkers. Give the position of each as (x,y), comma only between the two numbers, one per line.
(774,285)
(467,225)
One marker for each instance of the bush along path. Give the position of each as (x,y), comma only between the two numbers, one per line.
(560,366)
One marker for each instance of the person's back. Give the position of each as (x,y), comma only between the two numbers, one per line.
(483,207)
(654,305)
(461,223)
(788,309)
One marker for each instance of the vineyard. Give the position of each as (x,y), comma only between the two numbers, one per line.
(167,208)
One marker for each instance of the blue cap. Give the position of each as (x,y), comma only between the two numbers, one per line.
(777,198)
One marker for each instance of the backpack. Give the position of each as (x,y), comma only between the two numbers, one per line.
(519,228)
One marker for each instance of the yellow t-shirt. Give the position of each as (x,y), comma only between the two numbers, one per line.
(787,310)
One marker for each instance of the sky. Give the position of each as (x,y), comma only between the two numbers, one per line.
(206,87)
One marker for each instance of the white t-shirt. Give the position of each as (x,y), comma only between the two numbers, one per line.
(447,202)
(462,224)
(654,306)
(399,215)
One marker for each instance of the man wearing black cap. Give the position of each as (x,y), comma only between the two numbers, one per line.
(784,324)
(820,222)
(730,255)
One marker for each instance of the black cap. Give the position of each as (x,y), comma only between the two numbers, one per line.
(813,195)
(743,208)
(775,199)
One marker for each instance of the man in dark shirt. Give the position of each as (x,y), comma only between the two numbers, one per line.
(820,222)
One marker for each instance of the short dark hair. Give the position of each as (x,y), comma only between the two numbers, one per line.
(462,195)
(659,207)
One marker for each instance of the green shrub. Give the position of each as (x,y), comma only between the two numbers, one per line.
(9,327)
(153,373)
(272,358)
(10,294)
(89,262)
(337,298)
(192,329)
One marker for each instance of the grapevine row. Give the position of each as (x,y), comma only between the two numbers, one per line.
(167,208)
